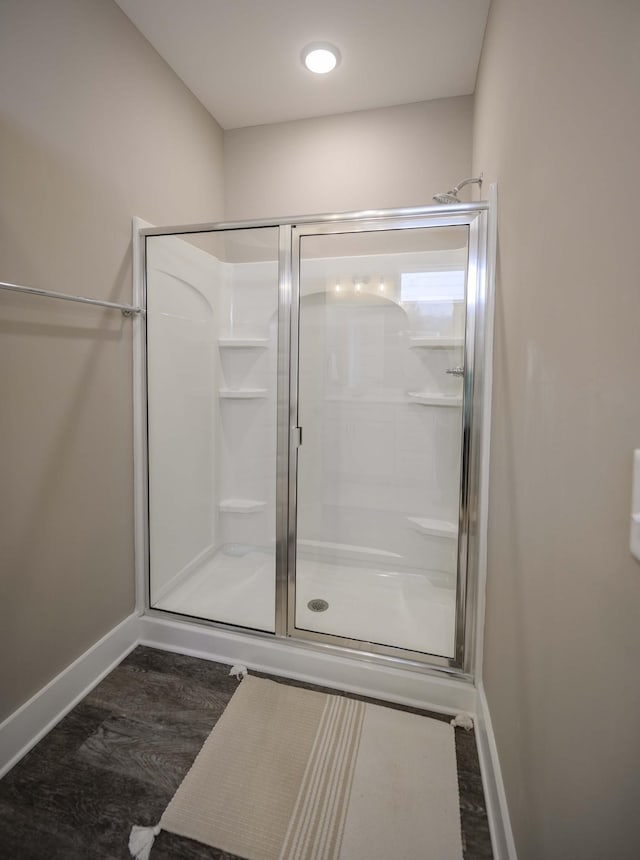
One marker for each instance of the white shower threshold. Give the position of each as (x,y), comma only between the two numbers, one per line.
(413,610)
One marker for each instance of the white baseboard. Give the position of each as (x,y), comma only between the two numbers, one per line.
(504,847)
(26,726)
(305,664)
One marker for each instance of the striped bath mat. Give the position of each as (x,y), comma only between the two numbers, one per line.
(292,774)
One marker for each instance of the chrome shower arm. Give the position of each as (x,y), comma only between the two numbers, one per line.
(472,179)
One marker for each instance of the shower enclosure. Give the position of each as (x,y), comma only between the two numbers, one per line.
(314,389)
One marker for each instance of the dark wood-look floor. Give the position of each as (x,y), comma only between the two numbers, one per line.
(119,756)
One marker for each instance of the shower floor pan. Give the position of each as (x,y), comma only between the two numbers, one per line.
(403,609)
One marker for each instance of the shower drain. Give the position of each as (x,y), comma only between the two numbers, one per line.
(318,605)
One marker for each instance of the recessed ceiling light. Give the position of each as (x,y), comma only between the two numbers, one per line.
(320,57)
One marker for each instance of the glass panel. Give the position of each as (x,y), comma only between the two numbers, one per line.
(382,318)
(212,301)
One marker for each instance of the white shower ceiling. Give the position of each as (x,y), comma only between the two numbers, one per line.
(241,58)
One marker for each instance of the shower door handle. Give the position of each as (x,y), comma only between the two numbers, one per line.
(296,436)
(455,371)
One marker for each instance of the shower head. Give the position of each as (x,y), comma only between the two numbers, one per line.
(449,197)
(452,195)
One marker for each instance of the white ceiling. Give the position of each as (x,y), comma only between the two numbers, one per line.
(241,58)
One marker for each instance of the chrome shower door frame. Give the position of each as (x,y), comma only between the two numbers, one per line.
(291,229)
(466,586)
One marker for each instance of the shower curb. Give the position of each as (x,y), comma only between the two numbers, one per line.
(303,662)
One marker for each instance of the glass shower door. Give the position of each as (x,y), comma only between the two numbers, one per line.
(381,351)
(212,342)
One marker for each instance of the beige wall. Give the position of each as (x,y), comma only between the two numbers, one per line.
(557,124)
(94,128)
(373,159)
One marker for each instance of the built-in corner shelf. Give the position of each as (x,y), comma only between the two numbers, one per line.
(241,506)
(436,528)
(435,342)
(243,342)
(242,393)
(423,398)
